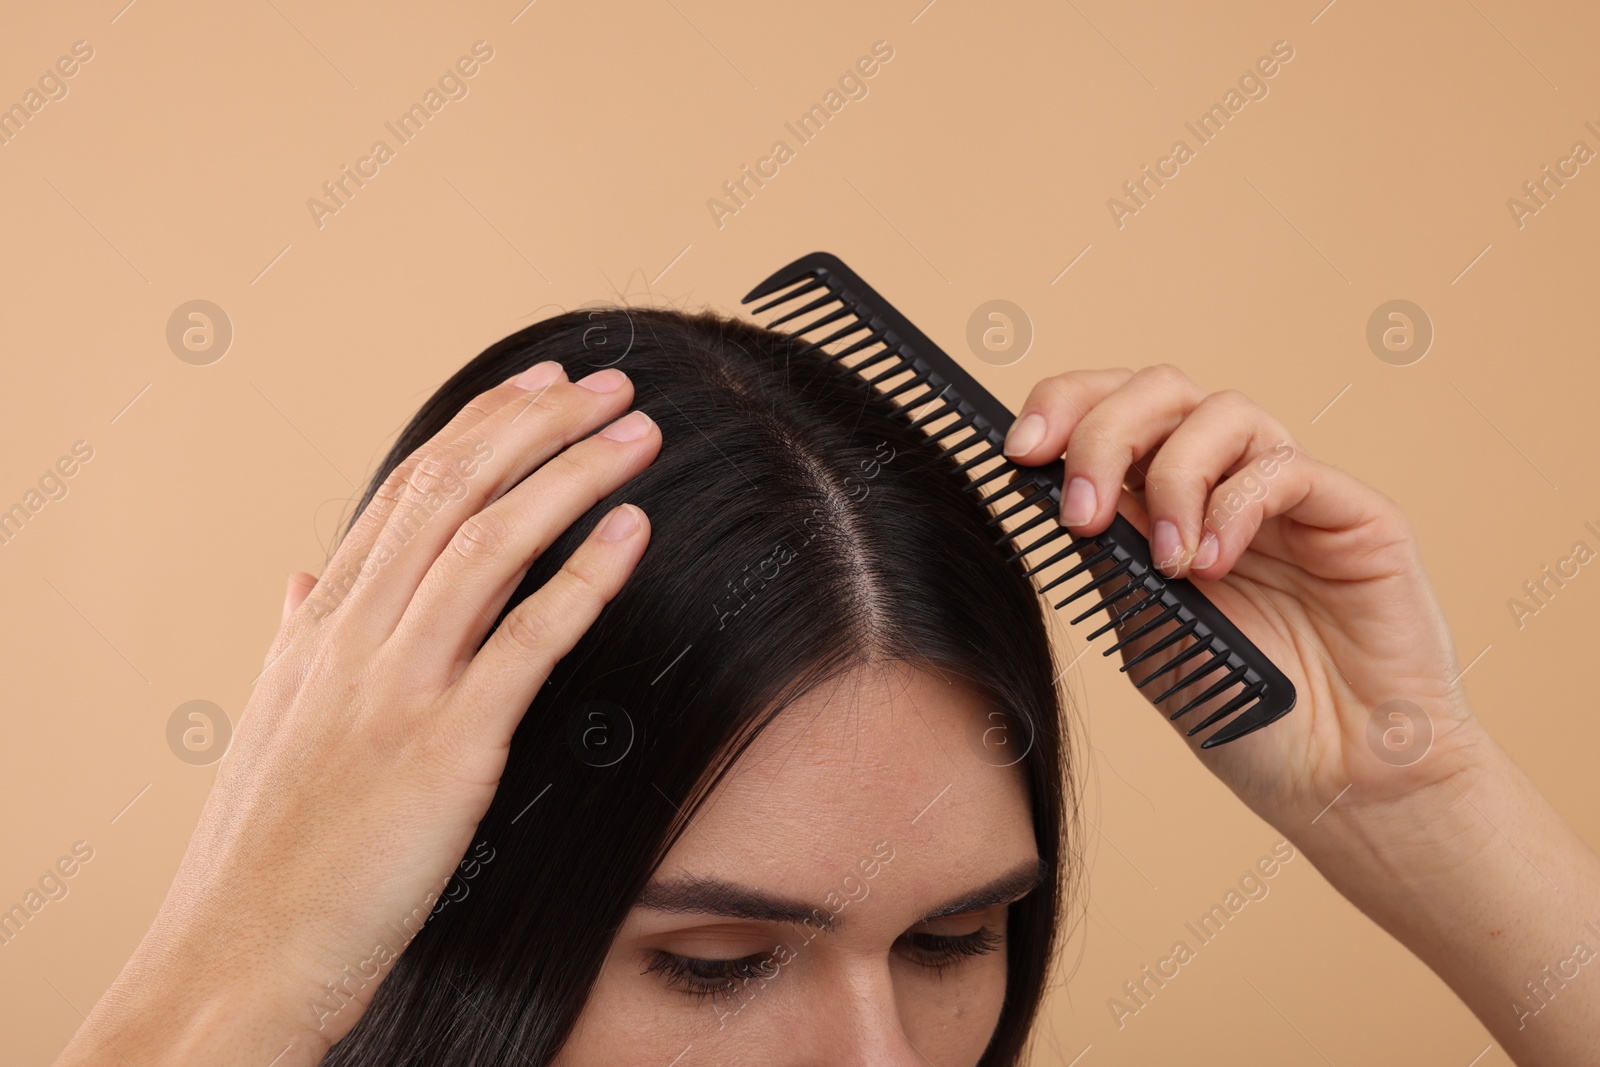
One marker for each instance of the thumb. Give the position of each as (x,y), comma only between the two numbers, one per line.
(299,587)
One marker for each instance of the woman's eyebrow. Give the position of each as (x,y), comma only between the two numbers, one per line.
(1003,890)
(709,896)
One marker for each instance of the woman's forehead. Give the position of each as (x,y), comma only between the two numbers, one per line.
(874,763)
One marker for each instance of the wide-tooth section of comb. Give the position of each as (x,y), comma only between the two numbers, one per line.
(1142,606)
(1200,646)
(1168,613)
(826,307)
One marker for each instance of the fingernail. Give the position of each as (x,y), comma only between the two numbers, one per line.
(1166,546)
(1207,555)
(1080,503)
(603,381)
(620,524)
(1025,434)
(538,376)
(631,427)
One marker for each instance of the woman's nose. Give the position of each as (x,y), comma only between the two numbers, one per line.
(860,1022)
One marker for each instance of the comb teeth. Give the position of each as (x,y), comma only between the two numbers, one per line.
(1202,645)
(1140,608)
(810,287)
(1088,562)
(1117,569)
(967,425)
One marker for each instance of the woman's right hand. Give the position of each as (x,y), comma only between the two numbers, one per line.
(377,733)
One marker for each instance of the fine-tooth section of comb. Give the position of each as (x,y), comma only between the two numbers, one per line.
(831,310)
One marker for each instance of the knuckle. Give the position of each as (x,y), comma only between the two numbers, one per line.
(527,627)
(482,535)
(1230,400)
(540,404)
(475,413)
(1391,517)
(585,578)
(390,492)
(1056,391)
(432,473)
(1400,527)
(336,583)
(1167,476)
(1165,374)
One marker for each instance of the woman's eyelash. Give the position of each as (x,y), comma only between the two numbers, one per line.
(705,978)
(700,978)
(938,951)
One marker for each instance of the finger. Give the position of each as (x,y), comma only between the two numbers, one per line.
(1217,439)
(353,558)
(297,588)
(1325,504)
(508,671)
(454,481)
(1119,432)
(487,558)
(300,586)
(1053,410)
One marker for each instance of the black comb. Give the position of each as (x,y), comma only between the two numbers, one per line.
(881,345)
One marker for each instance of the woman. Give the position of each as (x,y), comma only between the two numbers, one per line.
(757,811)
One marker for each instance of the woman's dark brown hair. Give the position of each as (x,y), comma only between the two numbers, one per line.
(766,452)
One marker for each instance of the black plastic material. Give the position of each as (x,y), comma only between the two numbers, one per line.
(916,374)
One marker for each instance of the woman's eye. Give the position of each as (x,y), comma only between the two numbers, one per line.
(938,951)
(704,978)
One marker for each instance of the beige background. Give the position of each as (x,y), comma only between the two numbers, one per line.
(977,167)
